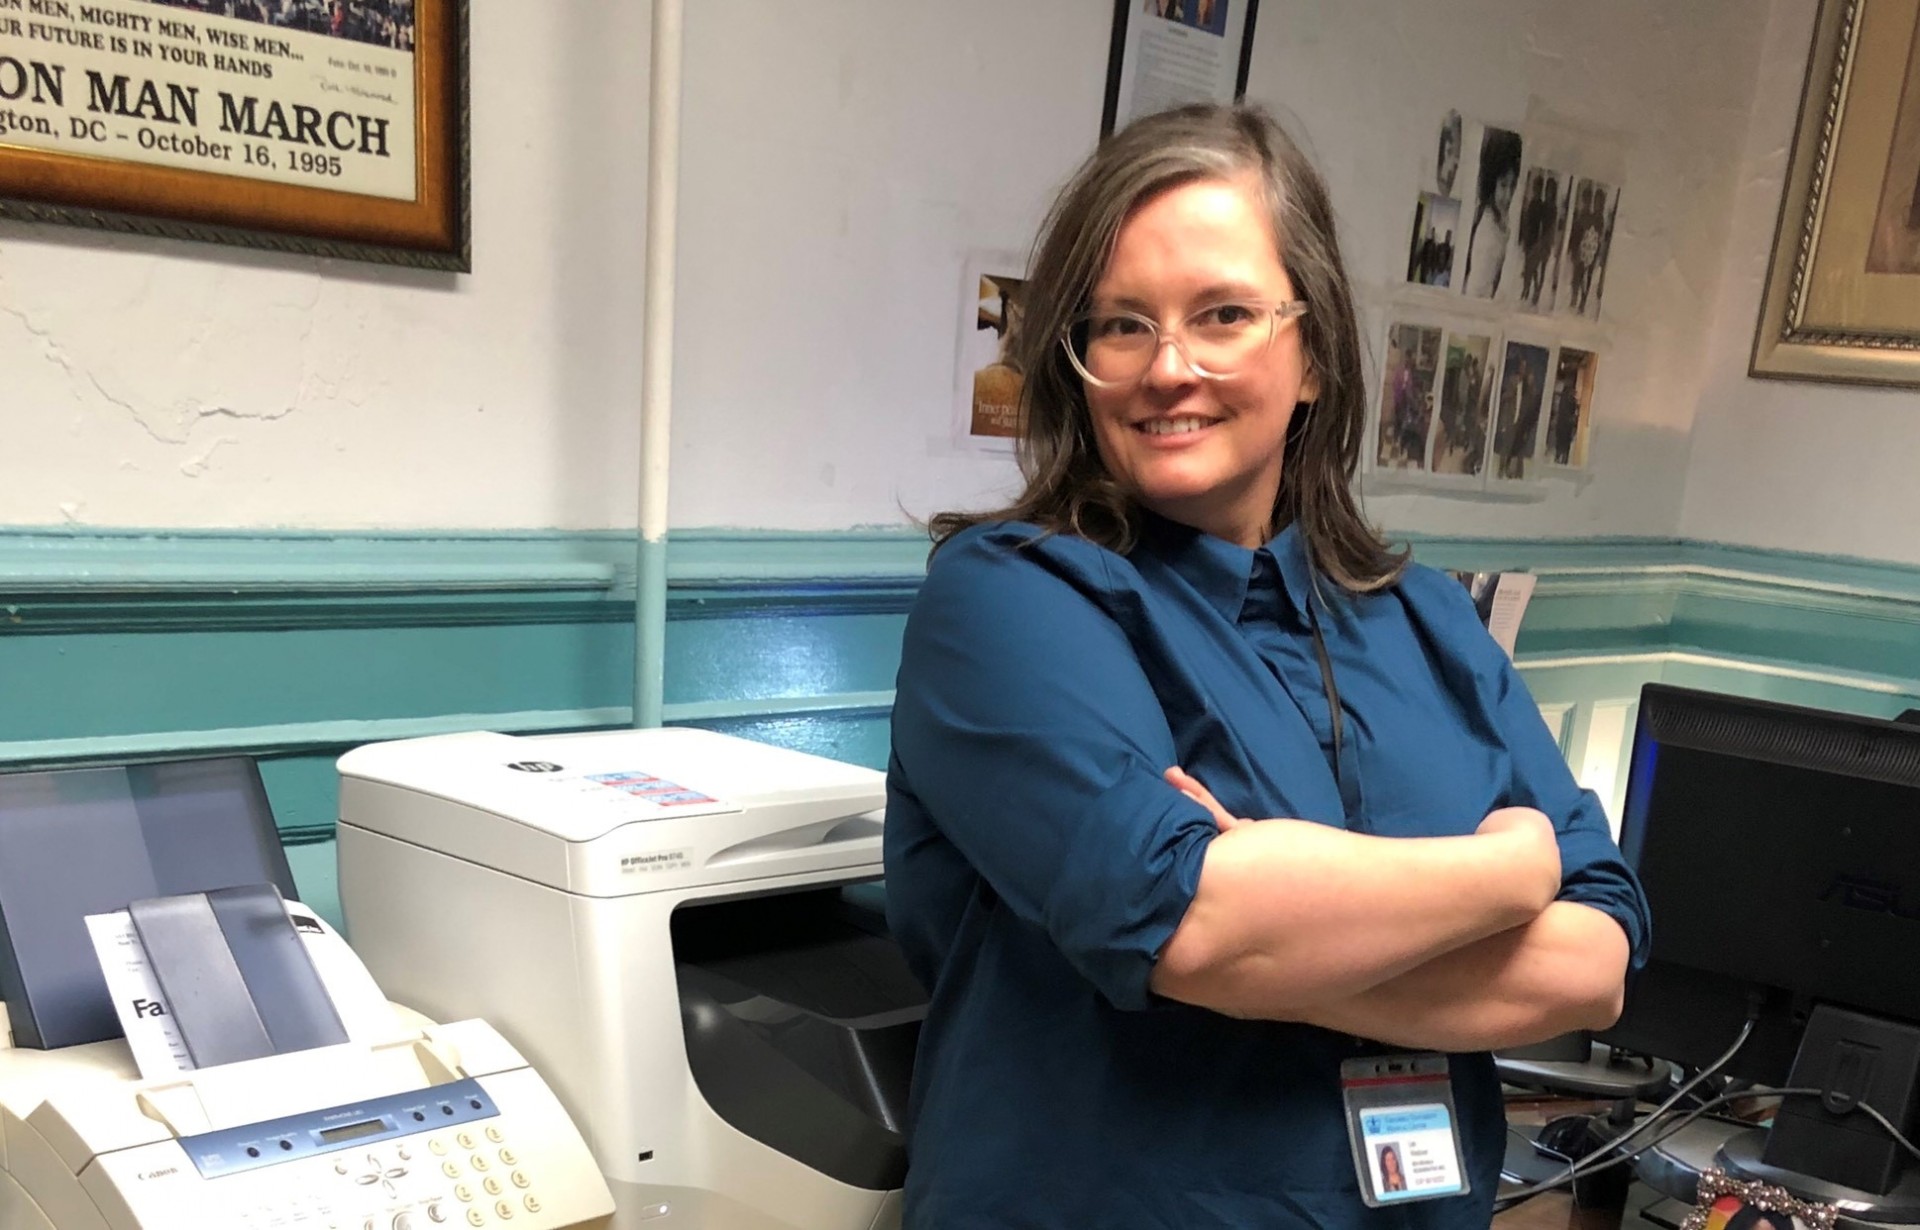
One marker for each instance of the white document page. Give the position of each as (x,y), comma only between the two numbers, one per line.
(148,1022)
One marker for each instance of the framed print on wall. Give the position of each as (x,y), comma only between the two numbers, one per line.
(1843,289)
(330,127)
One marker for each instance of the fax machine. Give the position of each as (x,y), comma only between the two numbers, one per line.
(661,920)
(184,1049)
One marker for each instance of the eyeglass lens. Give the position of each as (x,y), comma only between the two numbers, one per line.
(1116,347)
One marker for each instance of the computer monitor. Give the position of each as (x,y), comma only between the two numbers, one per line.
(1779,847)
(85,841)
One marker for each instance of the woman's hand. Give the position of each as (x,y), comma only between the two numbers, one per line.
(1535,848)
(1189,785)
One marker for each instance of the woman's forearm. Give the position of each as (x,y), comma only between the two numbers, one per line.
(1291,915)
(1564,970)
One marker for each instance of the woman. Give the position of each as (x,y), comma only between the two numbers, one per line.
(1392,1178)
(1140,1002)
(1487,240)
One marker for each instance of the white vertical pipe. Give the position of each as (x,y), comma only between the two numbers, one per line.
(656,355)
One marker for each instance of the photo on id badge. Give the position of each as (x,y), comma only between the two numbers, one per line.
(1410,1152)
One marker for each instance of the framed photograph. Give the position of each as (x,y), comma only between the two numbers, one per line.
(1167,53)
(331,127)
(1843,290)
(1726,1203)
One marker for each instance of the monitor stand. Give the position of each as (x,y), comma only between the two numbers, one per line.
(1579,1066)
(1674,1166)
(1739,1156)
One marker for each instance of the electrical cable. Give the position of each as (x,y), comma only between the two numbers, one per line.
(1726,1057)
(1583,1168)
(1598,1159)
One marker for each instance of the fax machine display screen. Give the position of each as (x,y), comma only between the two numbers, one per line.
(353,1131)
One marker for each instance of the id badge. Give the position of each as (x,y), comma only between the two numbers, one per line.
(1405,1134)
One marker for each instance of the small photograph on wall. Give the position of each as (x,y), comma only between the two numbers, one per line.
(1591,210)
(1436,220)
(988,383)
(1466,387)
(1496,185)
(1538,233)
(1208,15)
(1570,415)
(1446,158)
(1406,397)
(1516,420)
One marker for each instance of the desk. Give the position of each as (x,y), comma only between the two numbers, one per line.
(1555,1211)
(1646,1210)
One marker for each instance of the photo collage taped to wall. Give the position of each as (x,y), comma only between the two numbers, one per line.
(1492,344)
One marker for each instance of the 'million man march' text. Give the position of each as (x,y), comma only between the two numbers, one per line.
(164,102)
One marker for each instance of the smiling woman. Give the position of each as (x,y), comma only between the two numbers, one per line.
(1143,1004)
(1231,179)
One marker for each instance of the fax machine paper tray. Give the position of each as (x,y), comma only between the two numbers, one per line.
(801,1019)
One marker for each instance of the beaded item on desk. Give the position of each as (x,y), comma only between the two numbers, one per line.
(1721,1197)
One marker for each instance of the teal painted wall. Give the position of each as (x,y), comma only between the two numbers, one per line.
(294,647)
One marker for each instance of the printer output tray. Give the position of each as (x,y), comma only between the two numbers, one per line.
(801,1019)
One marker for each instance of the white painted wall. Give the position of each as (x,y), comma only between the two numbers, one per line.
(1368,79)
(1809,467)
(839,158)
(148,383)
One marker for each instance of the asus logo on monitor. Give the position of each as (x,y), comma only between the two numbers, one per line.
(1873,896)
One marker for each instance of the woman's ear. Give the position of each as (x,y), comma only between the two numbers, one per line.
(1309,384)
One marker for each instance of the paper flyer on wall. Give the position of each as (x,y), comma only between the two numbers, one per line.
(148,1023)
(1178,52)
(987,380)
(1501,599)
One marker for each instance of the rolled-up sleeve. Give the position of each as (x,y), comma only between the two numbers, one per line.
(1029,735)
(1592,870)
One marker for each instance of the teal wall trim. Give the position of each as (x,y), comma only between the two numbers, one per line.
(292,647)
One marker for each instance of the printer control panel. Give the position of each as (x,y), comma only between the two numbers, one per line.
(472,1153)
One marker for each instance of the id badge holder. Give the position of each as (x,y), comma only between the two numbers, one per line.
(1404,1130)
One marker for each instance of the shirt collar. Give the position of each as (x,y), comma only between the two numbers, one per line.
(1221,570)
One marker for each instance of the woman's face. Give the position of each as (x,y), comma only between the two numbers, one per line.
(1203,452)
(1503,192)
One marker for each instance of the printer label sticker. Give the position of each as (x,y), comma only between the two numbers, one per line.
(655,860)
(656,790)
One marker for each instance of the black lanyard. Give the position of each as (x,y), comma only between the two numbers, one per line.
(1349,789)
(1332,690)
(1316,603)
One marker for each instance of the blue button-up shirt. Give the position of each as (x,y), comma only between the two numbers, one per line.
(1037,862)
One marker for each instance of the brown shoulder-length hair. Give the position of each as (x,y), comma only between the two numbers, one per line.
(1068,489)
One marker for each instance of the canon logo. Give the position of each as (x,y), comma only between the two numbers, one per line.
(1872,896)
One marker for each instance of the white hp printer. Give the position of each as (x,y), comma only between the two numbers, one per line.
(225,1063)
(656,918)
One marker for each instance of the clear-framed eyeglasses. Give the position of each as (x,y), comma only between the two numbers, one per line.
(1115,348)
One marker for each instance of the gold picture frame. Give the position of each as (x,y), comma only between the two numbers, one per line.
(1842,301)
(345,135)
(1727,1203)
